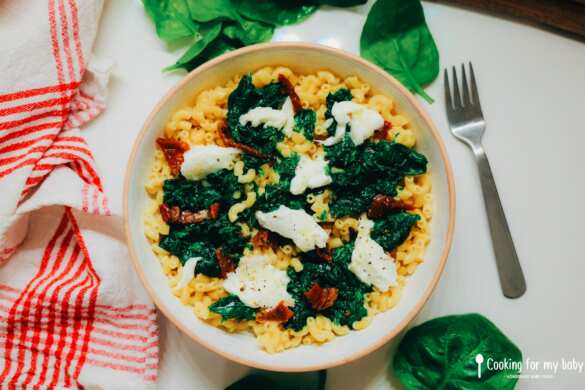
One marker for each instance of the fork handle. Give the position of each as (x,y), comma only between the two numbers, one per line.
(509,269)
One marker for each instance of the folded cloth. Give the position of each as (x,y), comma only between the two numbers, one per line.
(73,313)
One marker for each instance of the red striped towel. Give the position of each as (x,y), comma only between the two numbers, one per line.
(73,313)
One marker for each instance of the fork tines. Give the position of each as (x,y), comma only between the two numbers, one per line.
(470,96)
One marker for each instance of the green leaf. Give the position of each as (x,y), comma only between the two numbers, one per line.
(391,230)
(207,33)
(342,3)
(276,12)
(305,121)
(231,307)
(340,95)
(396,37)
(440,354)
(211,10)
(249,32)
(349,305)
(268,380)
(361,172)
(245,97)
(171,19)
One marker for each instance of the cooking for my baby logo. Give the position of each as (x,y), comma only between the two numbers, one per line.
(528,368)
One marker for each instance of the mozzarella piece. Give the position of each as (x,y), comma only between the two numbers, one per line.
(202,160)
(363,122)
(369,262)
(283,119)
(296,225)
(258,283)
(309,174)
(187,272)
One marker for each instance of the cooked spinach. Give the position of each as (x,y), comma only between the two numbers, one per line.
(232,308)
(279,194)
(396,37)
(441,353)
(245,97)
(201,239)
(391,230)
(198,195)
(276,12)
(361,172)
(341,95)
(349,306)
(305,121)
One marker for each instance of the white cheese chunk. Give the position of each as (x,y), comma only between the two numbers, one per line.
(202,160)
(283,119)
(309,174)
(188,272)
(296,225)
(363,122)
(369,262)
(258,283)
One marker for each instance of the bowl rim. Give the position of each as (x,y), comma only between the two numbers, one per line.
(411,100)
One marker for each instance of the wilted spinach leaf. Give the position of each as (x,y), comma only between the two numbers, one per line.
(361,172)
(397,38)
(276,12)
(231,307)
(171,19)
(341,95)
(391,230)
(305,121)
(245,97)
(441,353)
(349,306)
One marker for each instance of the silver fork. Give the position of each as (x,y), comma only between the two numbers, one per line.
(468,125)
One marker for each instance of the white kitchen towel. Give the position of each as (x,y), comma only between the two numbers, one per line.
(73,313)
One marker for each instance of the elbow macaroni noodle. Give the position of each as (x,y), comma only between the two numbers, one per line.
(198,124)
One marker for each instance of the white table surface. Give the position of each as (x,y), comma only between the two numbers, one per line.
(532,86)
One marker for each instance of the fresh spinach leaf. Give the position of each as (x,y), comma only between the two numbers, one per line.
(441,353)
(211,10)
(276,12)
(342,3)
(269,380)
(231,307)
(249,32)
(396,37)
(171,19)
(391,230)
(208,32)
(305,121)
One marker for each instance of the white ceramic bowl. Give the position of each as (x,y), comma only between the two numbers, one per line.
(242,347)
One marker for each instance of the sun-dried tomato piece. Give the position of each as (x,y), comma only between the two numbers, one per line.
(226,264)
(280,313)
(174,153)
(175,215)
(262,239)
(382,133)
(325,254)
(321,298)
(383,204)
(226,137)
(289,89)
(214,210)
